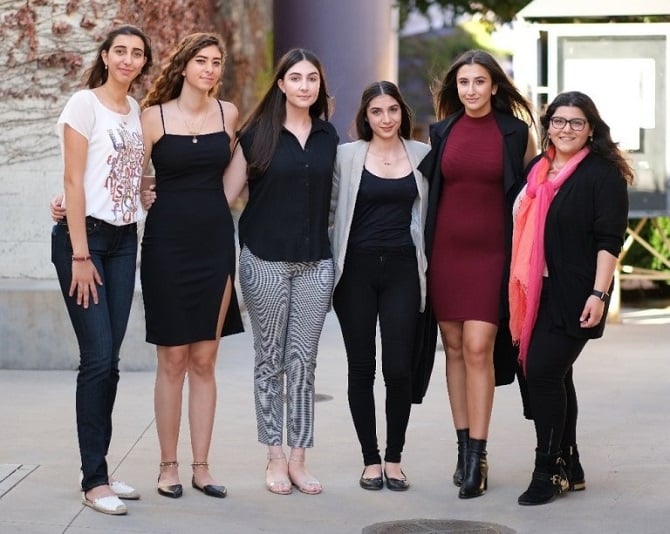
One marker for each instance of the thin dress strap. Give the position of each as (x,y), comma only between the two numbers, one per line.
(160,106)
(222,119)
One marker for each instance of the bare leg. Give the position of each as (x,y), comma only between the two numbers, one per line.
(452,339)
(478,342)
(202,394)
(170,373)
(202,404)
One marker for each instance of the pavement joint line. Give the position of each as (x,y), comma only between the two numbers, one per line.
(12,474)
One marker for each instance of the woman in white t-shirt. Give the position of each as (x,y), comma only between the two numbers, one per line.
(94,248)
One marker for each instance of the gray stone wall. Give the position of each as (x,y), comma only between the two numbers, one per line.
(45,48)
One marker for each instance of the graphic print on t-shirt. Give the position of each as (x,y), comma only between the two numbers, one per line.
(125,166)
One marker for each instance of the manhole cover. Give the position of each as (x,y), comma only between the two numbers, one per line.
(436,526)
(12,474)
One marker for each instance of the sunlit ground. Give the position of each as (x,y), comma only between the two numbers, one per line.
(658,315)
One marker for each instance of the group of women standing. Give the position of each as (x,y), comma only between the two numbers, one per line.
(382,226)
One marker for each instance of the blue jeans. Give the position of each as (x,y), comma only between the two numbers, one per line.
(99,330)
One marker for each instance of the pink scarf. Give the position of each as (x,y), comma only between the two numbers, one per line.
(528,260)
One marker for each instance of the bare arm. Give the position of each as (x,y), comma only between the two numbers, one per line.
(151,132)
(84,274)
(231,116)
(235,176)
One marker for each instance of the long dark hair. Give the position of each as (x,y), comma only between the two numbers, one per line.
(600,141)
(169,83)
(507,99)
(268,117)
(97,74)
(363,129)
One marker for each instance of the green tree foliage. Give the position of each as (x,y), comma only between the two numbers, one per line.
(424,59)
(657,237)
(491,10)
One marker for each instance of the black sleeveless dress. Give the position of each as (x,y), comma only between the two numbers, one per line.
(188,248)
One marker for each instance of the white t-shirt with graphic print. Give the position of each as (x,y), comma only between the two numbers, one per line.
(114,161)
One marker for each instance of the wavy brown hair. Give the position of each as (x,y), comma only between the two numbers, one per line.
(170,81)
(600,141)
(269,115)
(97,74)
(507,99)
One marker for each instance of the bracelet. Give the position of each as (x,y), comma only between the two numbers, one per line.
(600,294)
(81,258)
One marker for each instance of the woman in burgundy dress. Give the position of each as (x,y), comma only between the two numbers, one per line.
(479,149)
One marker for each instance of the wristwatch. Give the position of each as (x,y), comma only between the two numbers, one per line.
(601,295)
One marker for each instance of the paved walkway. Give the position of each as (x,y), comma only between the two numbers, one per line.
(624,392)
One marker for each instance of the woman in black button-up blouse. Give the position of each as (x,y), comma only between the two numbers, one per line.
(286,155)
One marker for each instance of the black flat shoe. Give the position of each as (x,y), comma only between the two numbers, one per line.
(211,490)
(174,491)
(397,484)
(373,484)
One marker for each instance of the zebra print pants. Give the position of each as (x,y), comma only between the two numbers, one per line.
(287,304)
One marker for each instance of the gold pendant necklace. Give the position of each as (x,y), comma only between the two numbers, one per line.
(195,132)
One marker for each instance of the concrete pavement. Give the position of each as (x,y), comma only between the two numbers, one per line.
(623,385)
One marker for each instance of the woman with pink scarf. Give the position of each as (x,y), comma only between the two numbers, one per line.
(569,223)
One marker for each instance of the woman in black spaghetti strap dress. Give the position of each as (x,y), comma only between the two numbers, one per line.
(188,249)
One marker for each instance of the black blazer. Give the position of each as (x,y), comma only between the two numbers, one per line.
(588,214)
(515,142)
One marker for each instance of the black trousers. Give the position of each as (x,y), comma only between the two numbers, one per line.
(551,390)
(379,284)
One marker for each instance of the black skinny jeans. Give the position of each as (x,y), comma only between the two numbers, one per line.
(551,390)
(380,283)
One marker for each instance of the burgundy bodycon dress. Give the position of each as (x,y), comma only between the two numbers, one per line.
(469,246)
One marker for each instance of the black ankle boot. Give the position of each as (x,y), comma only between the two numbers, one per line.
(573,469)
(463,437)
(476,470)
(548,480)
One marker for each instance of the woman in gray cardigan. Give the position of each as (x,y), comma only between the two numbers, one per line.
(378,214)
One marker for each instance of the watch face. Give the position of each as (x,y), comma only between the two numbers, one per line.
(600,294)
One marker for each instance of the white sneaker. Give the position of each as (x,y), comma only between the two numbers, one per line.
(111,505)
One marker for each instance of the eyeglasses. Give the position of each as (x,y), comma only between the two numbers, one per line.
(575,124)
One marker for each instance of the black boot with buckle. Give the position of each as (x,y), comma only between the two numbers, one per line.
(573,469)
(548,480)
(463,437)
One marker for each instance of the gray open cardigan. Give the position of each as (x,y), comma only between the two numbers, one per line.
(346,182)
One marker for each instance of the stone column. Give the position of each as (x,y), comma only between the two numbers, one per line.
(356,41)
